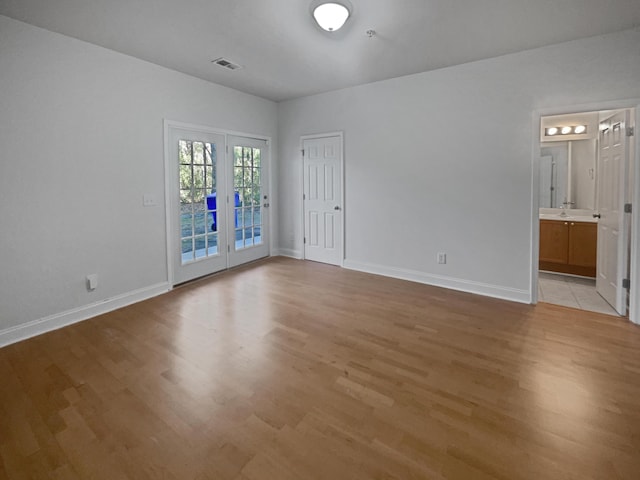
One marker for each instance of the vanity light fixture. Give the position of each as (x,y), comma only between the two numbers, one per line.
(330,16)
(566,130)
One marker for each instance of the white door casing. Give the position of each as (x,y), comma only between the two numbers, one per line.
(323,199)
(612,172)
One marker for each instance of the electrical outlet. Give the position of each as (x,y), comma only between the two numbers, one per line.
(92,281)
(442,257)
(149,200)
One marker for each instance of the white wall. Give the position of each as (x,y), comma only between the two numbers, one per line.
(81,136)
(441,161)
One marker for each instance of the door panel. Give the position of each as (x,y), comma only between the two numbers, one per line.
(583,244)
(312,240)
(197,223)
(329,230)
(249,203)
(323,199)
(612,185)
(554,241)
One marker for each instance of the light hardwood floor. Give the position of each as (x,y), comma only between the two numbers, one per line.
(297,370)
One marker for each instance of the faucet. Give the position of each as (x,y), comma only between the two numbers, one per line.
(566,204)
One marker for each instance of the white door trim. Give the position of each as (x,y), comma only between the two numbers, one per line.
(634,295)
(309,137)
(171,124)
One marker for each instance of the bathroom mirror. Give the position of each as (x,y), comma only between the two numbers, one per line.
(568,174)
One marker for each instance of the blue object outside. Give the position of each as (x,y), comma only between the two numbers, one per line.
(211,205)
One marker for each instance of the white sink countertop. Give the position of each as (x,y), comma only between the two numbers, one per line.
(568,217)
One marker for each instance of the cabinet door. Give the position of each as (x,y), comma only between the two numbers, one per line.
(554,241)
(583,244)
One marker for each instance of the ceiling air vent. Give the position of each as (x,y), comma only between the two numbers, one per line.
(228,64)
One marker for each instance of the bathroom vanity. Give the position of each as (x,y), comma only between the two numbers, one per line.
(568,244)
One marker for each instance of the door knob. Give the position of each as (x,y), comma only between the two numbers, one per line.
(336,207)
(596,215)
(266,205)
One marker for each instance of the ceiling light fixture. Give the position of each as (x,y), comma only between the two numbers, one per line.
(331,16)
(566,130)
(580,129)
(551,131)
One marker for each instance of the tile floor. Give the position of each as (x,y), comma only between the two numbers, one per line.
(575,292)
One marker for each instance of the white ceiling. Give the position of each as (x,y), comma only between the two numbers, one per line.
(285,55)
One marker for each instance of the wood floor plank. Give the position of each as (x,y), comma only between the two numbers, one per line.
(290,369)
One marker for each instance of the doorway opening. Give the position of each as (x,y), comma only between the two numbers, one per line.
(585,191)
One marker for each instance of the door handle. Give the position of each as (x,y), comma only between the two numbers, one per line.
(266,205)
(336,207)
(596,215)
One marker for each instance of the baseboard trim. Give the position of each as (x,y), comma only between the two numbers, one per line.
(469,286)
(69,317)
(286,252)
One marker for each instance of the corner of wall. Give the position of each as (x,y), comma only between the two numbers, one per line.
(69,317)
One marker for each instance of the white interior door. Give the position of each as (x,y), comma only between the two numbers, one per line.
(197,224)
(612,185)
(323,241)
(248,200)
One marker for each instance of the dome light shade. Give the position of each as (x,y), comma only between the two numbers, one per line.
(331,16)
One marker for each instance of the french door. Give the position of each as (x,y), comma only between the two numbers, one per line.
(248,239)
(218,198)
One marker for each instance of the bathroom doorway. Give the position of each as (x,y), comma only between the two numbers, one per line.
(585,190)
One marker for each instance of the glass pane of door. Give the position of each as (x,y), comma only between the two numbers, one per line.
(198,195)
(247,196)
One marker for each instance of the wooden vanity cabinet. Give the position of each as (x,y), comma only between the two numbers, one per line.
(568,247)
(554,241)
